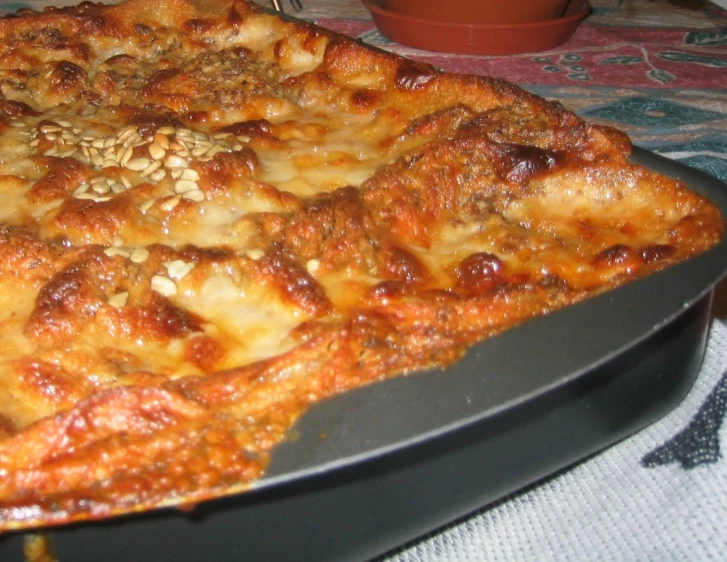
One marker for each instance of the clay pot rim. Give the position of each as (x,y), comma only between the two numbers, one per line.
(570,15)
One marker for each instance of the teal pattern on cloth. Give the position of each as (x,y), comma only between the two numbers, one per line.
(679,130)
(651,112)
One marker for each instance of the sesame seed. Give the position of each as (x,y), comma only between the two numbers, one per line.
(138,164)
(133,141)
(174,161)
(200,150)
(194,195)
(162,141)
(65,124)
(182,186)
(125,155)
(98,143)
(156,151)
(144,206)
(158,175)
(83,188)
(178,269)
(86,195)
(139,255)
(190,174)
(126,134)
(216,149)
(163,285)
(117,241)
(101,188)
(119,300)
(312,266)
(114,251)
(151,168)
(169,204)
(254,254)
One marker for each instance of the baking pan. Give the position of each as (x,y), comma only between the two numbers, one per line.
(380,466)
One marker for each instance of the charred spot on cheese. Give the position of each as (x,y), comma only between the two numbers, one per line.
(71,298)
(51,382)
(87,220)
(226,167)
(518,163)
(24,256)
(122,59)
(414,76)
(402,265)
(251,128)
(171,88)
(365,99)
(439,123)
(7,427)
(618,256)
(479,273)
(197,26)
(154,319)
(204,352)
(657,252)
(294,283)
(17,109)
(67,79)
(64,175)
(333,227)
(388,289)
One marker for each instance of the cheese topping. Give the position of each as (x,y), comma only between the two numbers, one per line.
(213,219)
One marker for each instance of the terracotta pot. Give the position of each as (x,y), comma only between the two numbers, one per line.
(477,38)
(479,11)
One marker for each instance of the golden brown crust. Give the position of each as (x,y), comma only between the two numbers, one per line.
(214,219)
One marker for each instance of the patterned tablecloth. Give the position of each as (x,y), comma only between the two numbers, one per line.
(658,70)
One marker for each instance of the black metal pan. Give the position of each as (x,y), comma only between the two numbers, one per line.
(382,465)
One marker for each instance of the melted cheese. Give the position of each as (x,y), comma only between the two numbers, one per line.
(212,219)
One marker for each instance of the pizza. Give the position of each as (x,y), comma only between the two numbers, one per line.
(213,219)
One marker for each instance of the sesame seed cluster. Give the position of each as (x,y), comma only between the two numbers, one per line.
(167,153)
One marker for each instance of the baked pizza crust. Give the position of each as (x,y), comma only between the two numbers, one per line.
(213,219)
